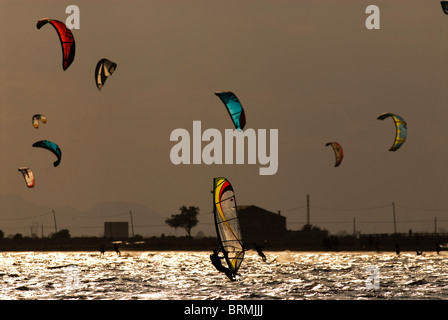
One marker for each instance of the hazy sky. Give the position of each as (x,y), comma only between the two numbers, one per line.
(310,69)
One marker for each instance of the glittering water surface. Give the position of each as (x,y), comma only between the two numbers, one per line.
(174,275)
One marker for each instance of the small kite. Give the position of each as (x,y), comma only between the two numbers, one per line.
(104,68)
(338,154)
(401,129)
(444,6)
(27,175)
(234,108)
(66,38)
(36,119)
(51,146)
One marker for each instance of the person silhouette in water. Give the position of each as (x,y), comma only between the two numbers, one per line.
(216,261)
(116,249)
(102,250)
(397,248)
(260,251)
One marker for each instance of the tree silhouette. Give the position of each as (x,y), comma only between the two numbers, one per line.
(61,234)
(187,219)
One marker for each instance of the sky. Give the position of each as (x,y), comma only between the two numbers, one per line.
(310,69)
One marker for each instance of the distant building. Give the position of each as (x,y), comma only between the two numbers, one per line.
(116,230)
(258,224)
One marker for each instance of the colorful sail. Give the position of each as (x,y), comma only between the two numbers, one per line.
(28,176)
(65,37)
(401,129)
(104,68)
(234,108)
(36,118)
(338,153)
(51,146)
(227,223)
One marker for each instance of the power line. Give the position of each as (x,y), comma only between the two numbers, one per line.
(351,209)
(423,209)
(364,208)
(291,209)
(29,217)
(367,221)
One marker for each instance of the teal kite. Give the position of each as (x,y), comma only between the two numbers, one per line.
(234,108)
(51,146)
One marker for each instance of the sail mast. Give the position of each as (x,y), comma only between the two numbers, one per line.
(214,211)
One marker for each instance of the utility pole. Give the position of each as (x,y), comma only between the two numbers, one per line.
(308,209)
(395,221)
(354,227)
(132,224)
(55,227)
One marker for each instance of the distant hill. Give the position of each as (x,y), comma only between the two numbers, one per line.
(17,215)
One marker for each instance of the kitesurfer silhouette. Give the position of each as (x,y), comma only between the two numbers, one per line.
(116,249)
(216,261)
(102,249)
(260,252)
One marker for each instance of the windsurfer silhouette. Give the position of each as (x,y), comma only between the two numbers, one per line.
(216,261)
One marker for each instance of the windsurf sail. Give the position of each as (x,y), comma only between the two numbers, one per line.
(227,223)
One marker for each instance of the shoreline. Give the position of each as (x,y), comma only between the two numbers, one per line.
(385,244)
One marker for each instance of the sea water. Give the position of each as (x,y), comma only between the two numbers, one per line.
(189,275)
